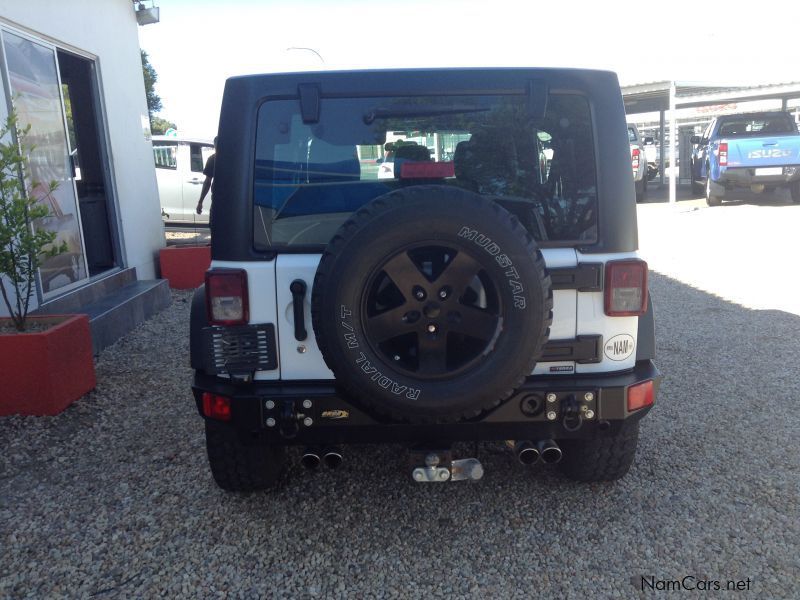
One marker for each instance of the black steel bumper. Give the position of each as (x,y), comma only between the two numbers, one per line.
(317,413)
(746,177)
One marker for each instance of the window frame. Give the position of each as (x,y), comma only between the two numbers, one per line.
(199,147)
(584,245)
(160,144)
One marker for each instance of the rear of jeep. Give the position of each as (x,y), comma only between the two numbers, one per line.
(488,290)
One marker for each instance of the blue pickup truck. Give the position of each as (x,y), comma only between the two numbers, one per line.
(759,151)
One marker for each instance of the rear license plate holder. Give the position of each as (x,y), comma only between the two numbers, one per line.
(765,171)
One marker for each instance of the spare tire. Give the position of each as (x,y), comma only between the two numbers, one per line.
(431,304)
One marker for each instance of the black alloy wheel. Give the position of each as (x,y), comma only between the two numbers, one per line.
(432,310)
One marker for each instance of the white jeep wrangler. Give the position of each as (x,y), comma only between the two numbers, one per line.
(490,289)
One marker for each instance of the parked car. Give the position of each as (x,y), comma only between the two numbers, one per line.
(760,151)
(638,162)
(653,153)
(491,297)
(179,171)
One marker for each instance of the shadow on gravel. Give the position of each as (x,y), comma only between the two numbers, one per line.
(114,497)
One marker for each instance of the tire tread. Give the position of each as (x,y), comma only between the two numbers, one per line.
(239,467)
(385,204)
(601,459)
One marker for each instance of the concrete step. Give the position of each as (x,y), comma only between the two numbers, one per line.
(119,312)
(74,301)
(115,305)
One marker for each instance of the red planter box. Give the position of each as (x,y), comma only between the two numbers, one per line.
(185,266)
(44,372)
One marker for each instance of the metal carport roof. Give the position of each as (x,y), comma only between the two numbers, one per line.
(667,96)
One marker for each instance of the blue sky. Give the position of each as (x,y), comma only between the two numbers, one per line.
(199,43)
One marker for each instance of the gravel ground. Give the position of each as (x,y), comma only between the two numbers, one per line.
(179,236)
(113,498)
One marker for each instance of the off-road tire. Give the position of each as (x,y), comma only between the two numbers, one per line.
(394,225)
(240,467)
(697,188)
(794,191)
(711,198)
(601,459)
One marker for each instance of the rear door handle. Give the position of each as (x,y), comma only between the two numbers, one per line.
(195,181)
(298,289)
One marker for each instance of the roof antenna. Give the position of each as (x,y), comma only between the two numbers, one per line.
(317,54)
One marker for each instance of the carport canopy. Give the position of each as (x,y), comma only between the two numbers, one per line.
(668,96)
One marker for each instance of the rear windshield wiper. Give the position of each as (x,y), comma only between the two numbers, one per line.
(419,111)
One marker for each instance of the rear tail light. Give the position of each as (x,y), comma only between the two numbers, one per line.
(626,288)
(723,154)
(641,395)
(226,297)
(635,154)
(216,407)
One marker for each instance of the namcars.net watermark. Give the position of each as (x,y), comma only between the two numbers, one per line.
(691,583)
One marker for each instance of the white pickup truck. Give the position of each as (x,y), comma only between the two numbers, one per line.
(179,170)
(638,162)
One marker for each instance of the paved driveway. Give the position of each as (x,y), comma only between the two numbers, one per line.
(746,250)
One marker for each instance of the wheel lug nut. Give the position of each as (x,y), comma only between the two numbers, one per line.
(419,293)
(431,328)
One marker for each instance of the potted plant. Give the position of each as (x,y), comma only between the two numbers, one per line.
(45,361)
(185,266)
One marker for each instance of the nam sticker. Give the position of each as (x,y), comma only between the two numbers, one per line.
(619,347)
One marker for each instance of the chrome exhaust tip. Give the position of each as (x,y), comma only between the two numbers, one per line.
(549,451)
(310,460)
(526,452)
(332,458)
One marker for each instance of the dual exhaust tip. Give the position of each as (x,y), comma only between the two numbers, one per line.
(529,453)
(332,457)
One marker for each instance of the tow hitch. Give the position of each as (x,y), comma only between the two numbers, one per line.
(439,467)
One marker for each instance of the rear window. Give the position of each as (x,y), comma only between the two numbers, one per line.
(309,178)
(744,126)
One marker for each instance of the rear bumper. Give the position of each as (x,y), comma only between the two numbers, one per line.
(746,176)
(317,413)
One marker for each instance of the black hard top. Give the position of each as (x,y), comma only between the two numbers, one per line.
(233,181)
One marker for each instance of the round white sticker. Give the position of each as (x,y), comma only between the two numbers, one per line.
(619,347)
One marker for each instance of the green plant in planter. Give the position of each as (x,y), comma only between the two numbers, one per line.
(23,247)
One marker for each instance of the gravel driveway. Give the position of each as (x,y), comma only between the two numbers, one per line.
(113,498)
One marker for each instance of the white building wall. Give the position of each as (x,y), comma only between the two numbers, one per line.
(108,30)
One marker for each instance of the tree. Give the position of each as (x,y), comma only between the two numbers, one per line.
(159,126)
(23,247)
(150,78)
